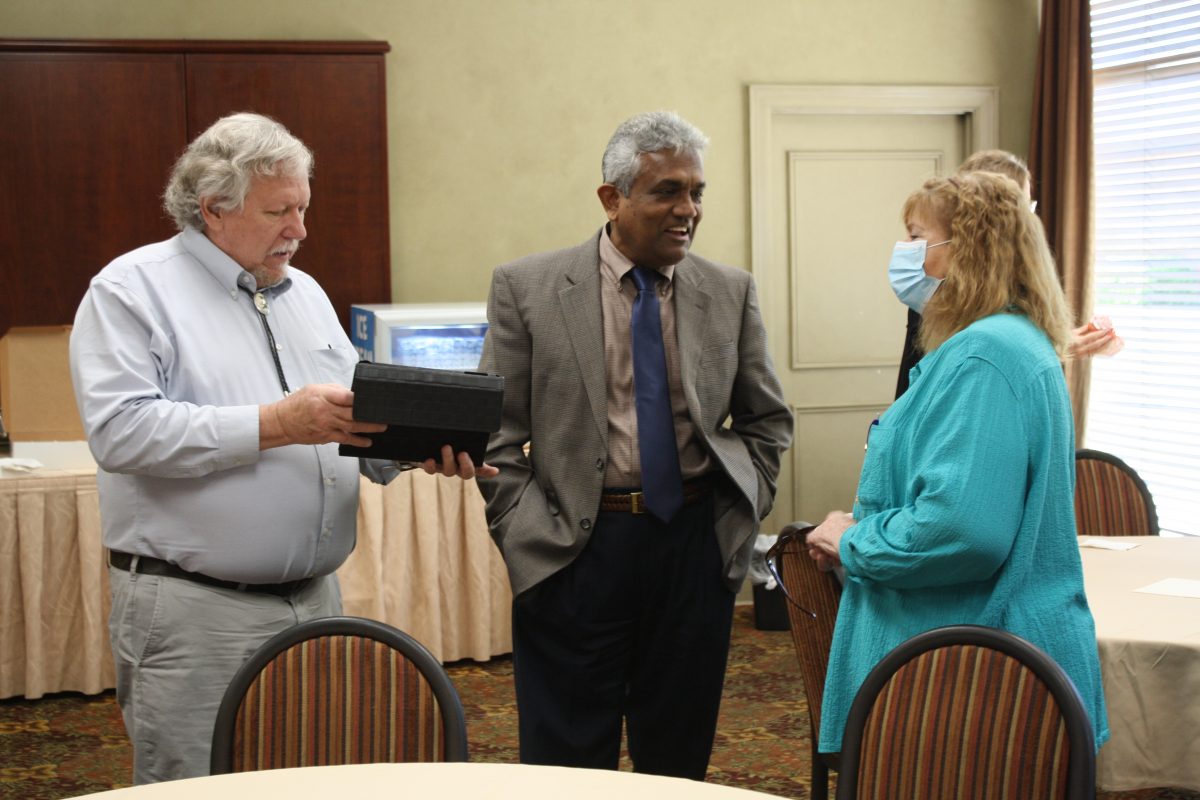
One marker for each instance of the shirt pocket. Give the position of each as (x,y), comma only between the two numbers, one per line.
(334,364)
(876,489)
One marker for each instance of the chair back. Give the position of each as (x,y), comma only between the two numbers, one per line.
(812,616)
(338,690)
(1111,499)
(812,611)
(967,711)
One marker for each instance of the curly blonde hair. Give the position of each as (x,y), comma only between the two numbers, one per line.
(999,258)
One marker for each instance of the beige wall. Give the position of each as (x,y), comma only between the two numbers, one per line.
(498,110)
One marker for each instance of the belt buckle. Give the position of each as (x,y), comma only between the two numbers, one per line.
(637,503)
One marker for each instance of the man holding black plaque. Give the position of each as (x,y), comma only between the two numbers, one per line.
(638,375)
(211,377)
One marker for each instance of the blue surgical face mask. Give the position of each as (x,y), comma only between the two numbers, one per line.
(906,272)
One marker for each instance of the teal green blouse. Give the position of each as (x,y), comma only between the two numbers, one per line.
(965,515)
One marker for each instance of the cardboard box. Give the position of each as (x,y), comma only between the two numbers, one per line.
(36,398)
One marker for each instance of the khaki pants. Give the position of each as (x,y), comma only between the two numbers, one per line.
(177,645)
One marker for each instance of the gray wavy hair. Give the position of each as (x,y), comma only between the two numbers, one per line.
(221,163)
(647,133)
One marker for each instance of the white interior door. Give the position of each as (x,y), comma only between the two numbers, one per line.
(831,167)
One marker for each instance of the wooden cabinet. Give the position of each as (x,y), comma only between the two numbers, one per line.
(91,129)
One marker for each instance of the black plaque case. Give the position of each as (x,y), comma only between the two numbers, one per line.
(425,409)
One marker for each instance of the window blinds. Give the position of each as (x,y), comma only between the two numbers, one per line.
(1144,404)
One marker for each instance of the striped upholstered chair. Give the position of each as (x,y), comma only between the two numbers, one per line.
(813,598)
(967,711)
(338,690)
(1111,499)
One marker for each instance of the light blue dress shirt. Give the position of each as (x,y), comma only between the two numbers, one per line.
(965,515)
(170,363)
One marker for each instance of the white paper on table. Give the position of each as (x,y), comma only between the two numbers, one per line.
(1173,587)
(20,464)
(1106,543)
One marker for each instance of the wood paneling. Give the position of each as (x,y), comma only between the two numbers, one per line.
(85,148)
(91,129)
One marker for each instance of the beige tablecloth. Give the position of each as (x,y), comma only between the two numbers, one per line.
(424,563)
(1150,661)
(53,586)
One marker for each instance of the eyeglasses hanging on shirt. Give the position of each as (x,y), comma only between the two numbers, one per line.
(260,303)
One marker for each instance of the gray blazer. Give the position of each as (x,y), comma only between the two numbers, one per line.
(545,337)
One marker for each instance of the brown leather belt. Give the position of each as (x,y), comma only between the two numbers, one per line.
(156,566)
(694,491)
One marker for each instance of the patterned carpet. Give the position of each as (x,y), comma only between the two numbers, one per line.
(68,745)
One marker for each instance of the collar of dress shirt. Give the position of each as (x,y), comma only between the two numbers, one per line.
(614,265)
(217,262)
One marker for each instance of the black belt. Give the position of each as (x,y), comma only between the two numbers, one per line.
(147,565)
(634,502)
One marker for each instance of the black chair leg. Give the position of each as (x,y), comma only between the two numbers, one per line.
(820,776)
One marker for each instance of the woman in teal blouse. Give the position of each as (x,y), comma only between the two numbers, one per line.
(965,510)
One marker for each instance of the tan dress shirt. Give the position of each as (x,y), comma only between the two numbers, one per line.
(617,293)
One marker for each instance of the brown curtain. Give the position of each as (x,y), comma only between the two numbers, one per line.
(1060,158)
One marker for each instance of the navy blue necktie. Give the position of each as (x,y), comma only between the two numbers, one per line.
(662,482)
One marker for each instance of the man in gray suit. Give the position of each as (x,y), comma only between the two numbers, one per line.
(624,555)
